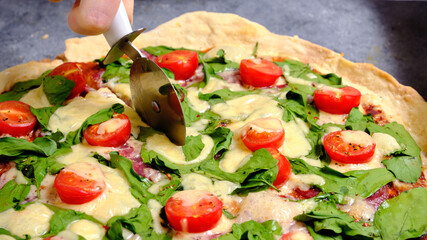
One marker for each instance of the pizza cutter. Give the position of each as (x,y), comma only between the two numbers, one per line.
(153,95)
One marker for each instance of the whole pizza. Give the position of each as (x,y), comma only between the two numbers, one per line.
(285,140)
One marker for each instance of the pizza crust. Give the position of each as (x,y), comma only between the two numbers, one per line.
(203,30)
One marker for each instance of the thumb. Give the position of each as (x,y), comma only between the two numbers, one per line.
(92,17)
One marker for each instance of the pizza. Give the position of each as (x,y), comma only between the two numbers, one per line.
(285,140)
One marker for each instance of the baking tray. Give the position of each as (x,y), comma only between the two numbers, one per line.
(390,34)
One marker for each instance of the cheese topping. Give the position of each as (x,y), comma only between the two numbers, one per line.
(194,181)
(357,137)
(386,144)
(32,221)
(233,53)
(195,102)
(295,144)
(36,98)
(110,125)
(87,229)
(71,116)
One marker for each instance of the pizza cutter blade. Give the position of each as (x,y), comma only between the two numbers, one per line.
(153,95)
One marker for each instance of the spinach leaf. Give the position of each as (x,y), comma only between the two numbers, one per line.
(169,189)
(219,63)
(253,230)
(362,182)
(223,95)
(258,181)
(138,185)
(404,216)
(7,233)
(12,194)
(160,50)
(57,88)
(118,70)
(63,217)
(326,220)
(357,121)
(102,115)
(146,132)
(10,146)
(260,161)
(193,147)
(405,168)
(300,70)
(138,220)
(208,71)
(43,115)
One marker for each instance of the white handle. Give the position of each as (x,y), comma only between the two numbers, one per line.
(120,26)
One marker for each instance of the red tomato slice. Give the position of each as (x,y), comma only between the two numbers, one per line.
(263,133)
(294,235)
(337,100)
(284,168)
(75,188)
(72,71)
(16,118)
(112,133)
(183,63)
(349,146)
(193,211)
(259,72)
(92,72)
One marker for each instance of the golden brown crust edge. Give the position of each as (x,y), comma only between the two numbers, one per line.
(203,30)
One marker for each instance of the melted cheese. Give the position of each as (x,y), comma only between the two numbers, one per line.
(36,98)
(162,145)
(236,157)
(217,84)
(116,198)
(87,229)
(233,53)
(71,116)
(249,107)
(295,144)
(194,181)
(325,117)
(386,144)
(32,221)
(155,209)
(110,125)
(357,137)
(358,208)
(195,102)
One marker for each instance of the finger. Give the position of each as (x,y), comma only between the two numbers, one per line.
(92,17)
(129,8)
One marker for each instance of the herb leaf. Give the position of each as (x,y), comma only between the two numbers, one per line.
(193,147)
(405,168)
(12,194)
(404,216)
(253,230)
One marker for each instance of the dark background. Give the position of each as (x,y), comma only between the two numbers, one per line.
(390,34)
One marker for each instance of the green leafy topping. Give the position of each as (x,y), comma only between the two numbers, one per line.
(327,222)
(10,146)
(405,168)
(63,217)
(361,182)
(161,50)
(146,132)
(404,216)
(254,230)
(118,70)
(57,89)
(219,63)
(193,147)
(7,233)
(254,52)
(300,70)
(21,88)
(12,194)
(138,221)
(102,115)
(223,95)
(228,214)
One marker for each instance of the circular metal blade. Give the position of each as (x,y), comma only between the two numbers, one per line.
(156,100)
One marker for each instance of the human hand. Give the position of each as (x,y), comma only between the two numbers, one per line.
(93,17)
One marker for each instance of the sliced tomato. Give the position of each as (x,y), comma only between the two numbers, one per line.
(112,133)
(183,63)
(16,118)
(337,100)
(74,187)
(72,71)
(193,211)
(294,235)
(349,146)
(284,168)
(259,72)
(92,72)
(263,133)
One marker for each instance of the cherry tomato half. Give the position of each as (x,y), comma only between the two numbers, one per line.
(16,118)
(293,235)
(183,63)
(349,146)
(284,168)
(259,72)
(72,71)
(112,133)
(193,211)
(263,133)
(92,72)
(74,187)
(337,100)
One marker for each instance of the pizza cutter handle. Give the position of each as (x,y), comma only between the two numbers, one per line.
(119,27)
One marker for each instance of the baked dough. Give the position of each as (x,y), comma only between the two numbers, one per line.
(203,30)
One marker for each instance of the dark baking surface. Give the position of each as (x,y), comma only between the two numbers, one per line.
(390,34)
